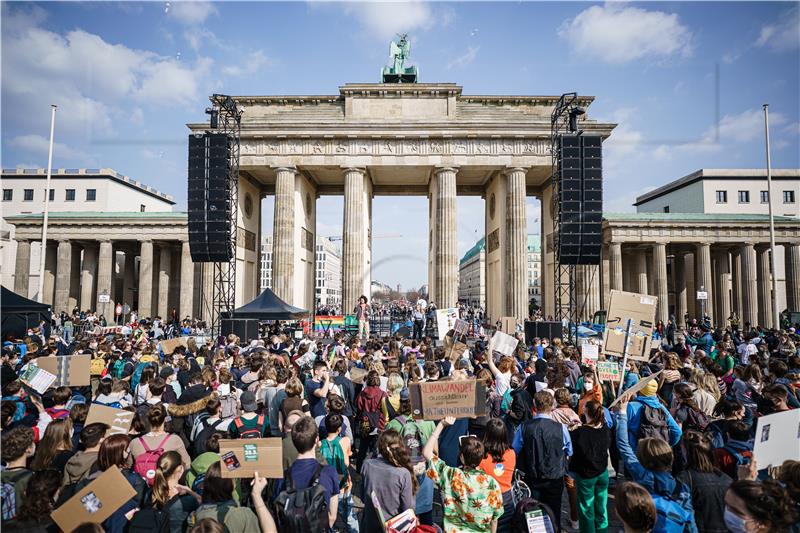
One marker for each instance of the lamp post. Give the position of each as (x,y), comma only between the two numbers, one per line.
(776,320)
(43,252)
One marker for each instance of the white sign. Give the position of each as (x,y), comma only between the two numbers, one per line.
(446,320)
(503,343)
(702,295)
(777,438)
(37,378)
(104,298)
(590,351)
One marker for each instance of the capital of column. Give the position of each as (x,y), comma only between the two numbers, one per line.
(440,170)
(360,170)
(290,169)
(512,170)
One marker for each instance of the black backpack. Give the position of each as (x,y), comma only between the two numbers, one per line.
(653,423)
(536,511)
(152,519)
(302,510)
(199,443)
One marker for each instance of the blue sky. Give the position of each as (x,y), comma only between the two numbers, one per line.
(684,80)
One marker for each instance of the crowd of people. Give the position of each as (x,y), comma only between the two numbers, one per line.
(549,454)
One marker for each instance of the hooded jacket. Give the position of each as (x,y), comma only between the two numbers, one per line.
(79,467)
(369,401)
(634,419)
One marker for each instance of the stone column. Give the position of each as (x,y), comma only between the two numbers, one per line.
(354,238)
(589,276)
(736,284)
(679,267)
(615,264)
(88,276)
(792,264)
(764,287)
(63,276)
(50,266)
(105,267)
(722,288)
(660,280)
(207,297)
(283,238)
(146,279)
(445,274)
(22,268)
(187,282)
(516,242)
(75,279)
(640,271)
(129,277)
(164,267)
(605,278)
(749,286)
(703,276)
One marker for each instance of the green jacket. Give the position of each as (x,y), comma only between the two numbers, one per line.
(201,464)
(237,519)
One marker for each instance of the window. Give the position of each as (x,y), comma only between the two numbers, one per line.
(141,208)
(91,195)
(666,209)
(722,197)
(764,197)
(70,195)
(52,195)
(8,195)
(788,197)
(744,197)
(27,195)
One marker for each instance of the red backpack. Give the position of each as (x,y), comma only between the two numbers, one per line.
(251,433)
(145,465)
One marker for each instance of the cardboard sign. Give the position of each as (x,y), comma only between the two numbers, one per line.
(96,501)
(241,458)
(445,320)
(168,346)
(641,310)
(437,399)
(608,371)
(461,327)
(453,349)
(777,438)
(37,379)
(70,370)
(639,386)
(508,324)
(503,343)
(589,354)
(358,375)
(119,420)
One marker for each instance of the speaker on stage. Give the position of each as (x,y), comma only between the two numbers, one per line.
(244,328)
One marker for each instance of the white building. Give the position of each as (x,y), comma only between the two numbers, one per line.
(72,190)
(328,271)
(534,268)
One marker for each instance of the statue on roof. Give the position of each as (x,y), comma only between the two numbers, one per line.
(398,72)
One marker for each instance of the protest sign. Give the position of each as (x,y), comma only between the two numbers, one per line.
(445,320)
(70,370)
(119,420)
(639,386)
(461,327)
(508,324)
(438,399)
(96,501)
(777,438)
(358,375)
(168,346)
(241,458)
(503,343)
(589,354)
(608,370)
(641,310)
(37,379)
(453,349)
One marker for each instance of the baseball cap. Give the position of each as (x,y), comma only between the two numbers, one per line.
(248,400)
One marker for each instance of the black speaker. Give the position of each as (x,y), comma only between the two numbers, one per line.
(580,194)
(209,198)
(542,329)
(244,328)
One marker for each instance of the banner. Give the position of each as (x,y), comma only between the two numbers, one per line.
(241,458)
(508,324)
(777,438)
(608,371)
(95,502)
(446,320)
(119,420)
(70,370)
(641,310)
(437,399)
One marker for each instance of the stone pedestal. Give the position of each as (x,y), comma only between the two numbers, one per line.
(22,268)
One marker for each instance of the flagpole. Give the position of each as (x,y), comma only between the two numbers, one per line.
(776,320)
(43,252)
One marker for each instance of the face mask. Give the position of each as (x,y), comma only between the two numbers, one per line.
(588,385)
(734,522)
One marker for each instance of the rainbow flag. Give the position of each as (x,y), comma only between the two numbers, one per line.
(321,323)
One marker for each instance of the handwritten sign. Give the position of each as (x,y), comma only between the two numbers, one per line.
(96,501)
(503,343)
(641,310)
(438,399)
(589,354)
(608,370)
(168,346)
(461,327)
(445,320)
(118,420)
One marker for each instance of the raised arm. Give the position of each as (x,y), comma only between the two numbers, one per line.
(430,445)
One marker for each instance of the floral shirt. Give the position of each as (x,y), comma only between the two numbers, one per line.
(471,498)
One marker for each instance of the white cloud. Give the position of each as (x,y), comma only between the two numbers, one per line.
(191,13)
(617,33)
(250,65)
(783,34)
(137,116)
(730,57)
(464,59)
(39,146)
(385,19)
(624,141)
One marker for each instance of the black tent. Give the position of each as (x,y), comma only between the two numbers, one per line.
(267,306)
(20,313)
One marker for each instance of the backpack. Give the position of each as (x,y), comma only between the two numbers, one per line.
(119,368)
(537,512)
(151,519)
(137,375)
(673,511)
(145,465)
(302,510)
(334,455)
(229,405)
(197,484)
(199,442)
(696,420)
(413,441)
(505,403)
(20,411)
(115,405)
(222,512)
(391,411)
(251,433)
(653,423)
(12,490)
(97,366)
(742,458)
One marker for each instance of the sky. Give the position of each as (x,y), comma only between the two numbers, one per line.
(685,81)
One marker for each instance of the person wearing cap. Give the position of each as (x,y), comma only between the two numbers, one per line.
(169,375)
(250,424)
(647,397)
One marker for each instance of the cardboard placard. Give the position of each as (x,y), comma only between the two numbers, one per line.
(608,371)
(589,354)
(446,320)
(96,501)
(461,327)
(240,458)
(37,378)
(777,438)
(358,375)
(119,420)
(437,399)
(641,310)
(70,370)
(639,386)
(168,346)
(503,343)
(508,324)
(453,349)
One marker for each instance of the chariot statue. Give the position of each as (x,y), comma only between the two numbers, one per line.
(397,72)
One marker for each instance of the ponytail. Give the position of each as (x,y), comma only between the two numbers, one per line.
(167,464)
(394,450)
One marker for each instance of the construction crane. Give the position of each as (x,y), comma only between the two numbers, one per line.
(380,236)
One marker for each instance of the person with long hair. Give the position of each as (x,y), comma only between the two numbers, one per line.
(169,495)
(218,503)
(55,448)
(33,512)
(707,483)
(157,437)
(499,461)
(370,420)
(391,477)
(589,467)
(635,508)
(759,507)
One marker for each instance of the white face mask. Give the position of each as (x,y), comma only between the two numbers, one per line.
(734,522)
(588,385)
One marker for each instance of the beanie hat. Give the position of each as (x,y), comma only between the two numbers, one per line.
(650,389)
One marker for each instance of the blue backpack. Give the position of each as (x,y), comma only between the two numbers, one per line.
(136,377)
(674,511)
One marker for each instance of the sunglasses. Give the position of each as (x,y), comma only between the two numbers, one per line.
(462,437)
